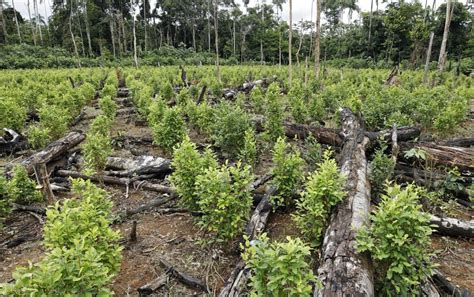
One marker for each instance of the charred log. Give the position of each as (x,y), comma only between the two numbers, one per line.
(447,287)
(453,227)
(184,278)
(12,142)
(344,271)
(154,285)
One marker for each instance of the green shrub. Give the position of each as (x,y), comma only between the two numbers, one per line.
(279,268)
(201,116)
(53,118)
(21,188)
(187,164)
(225,200)
(314,153)
(248,152)
(12,115)
(101,125)
(167,91)
(287,172)
(108,107)
(229,127)
(258,99)
(323,190)
(5,203)
(38,137)
(171,130)
(82,252)
(96,149)
(156,111)
(274,114)
(399,239)
(381,170)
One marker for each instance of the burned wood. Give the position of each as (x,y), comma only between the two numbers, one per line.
(201,95)
(428,288)
(53,150)
(451,156)
(133,232)
(142,165)
(344,271)
(125,101)
(403,134)
(123,92)
(237,281)
(184,76)
(149,205)
(12,142)
(118,181)
(154,285)
(453,227)
(448,287)
(35,209)
(461,142)
(184,278)
(42,177)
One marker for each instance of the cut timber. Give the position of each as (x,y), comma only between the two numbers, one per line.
(452,156)
(42,177)
(184,277)
(344,271)
(140,165)
(453,227)
(154,285)
(123,92)
(150,205)
(239,277)
(118,181)
(462,142)
(53,150)
(403,134)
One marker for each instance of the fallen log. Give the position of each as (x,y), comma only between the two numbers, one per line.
(118,181)
(142,165)
(239,277)
(123,92)
(149,205)
(453,227)
(343,271)
(154,285)
(448,287)
(461,142)
(403,134)
(183,277)
(451,156)
(35,209)
(53,150)
(12,142)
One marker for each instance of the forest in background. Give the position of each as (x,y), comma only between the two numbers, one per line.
(107,33)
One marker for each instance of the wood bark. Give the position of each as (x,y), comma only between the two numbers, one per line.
(152,286)
(42,177)
(119,181)
(444,42)
(141,165)
(453,227)
(183,277)
(237,281)
(317,43)
(428,57)
(448,287)
(12,142)
(443,155)
(53,150)
(344,271)
(462,142)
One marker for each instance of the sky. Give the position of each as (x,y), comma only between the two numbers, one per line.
(301,8)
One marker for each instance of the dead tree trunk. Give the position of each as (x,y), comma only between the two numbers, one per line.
(54,150)
(239,277)
(453,227)
(42,177)
(344,271)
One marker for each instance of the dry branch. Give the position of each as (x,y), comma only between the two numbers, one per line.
(184,277)
(344,271)
(152,286)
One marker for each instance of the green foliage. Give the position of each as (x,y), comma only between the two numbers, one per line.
(287,172)
(82,251)
(12,115)
(187,164)
(278,268)
(101,125)
(5,205)
(323,190)
(248,152)
(229,126)
(38,137)
(314,153)
(399,240)
(167,91)
(225,200)
(451,185)
(54,119)
(274,113)
(156,111)
(96,149)
(201,116)
(381,170)
(21,188)
(171,130)
(108,107)
(298,105)
(258,99)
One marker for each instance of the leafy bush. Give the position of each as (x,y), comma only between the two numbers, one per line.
(53,118)
(96,149)
(101,125)
(21,188)
(248,152)
(201,116)
(229,127)
(258,99)
(5,207)
(108,107)
(314,153)
(82,254)
(287,172)
(12,115)
(225,199)
(187,164)
(171,130)
(278,268)
(381,170)
(38,137)
(399,240)
(323,190)
(274,114)
(156,111)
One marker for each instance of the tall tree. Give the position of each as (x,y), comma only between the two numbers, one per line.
(16,21)
(317,41)
(290,37)
(442,51)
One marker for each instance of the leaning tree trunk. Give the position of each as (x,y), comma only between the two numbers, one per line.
(317,43)
(344,271)
(428,57)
